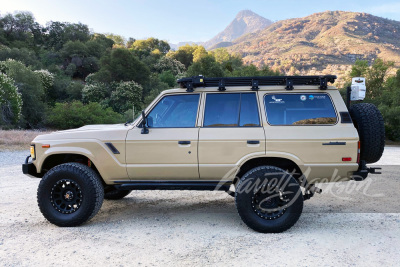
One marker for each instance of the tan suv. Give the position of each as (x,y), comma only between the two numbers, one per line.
(264,140)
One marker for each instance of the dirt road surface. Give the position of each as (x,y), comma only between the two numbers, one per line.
(352,223)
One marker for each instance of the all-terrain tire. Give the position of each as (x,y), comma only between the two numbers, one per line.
(370,126)
(271,212)
(115,194)
(70,194)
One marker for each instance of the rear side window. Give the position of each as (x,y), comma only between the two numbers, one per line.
(299,109)
(231,110)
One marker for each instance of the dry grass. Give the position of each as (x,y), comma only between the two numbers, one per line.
(17,139)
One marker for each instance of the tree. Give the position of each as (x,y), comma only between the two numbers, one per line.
(228,61)
(168,77)
(10,101)
(117,39)
(76,114)
(206,66)
(375,76)
(31,89)
(184,54)
(121,65)
(169,64)
(151,44)
(126,95)
(199,53)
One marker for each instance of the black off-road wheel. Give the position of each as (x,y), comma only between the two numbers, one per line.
(371,129)
(268,199)
(70,194)
(114,194)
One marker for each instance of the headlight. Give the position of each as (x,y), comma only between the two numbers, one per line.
(33,153)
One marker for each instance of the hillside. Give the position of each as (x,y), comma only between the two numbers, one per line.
(245,22)
(327,42)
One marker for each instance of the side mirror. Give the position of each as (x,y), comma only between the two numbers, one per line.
(144,123)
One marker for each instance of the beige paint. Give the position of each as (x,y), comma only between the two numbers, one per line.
(215,153)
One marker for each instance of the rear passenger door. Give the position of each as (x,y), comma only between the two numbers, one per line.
(231,130)
(306,125)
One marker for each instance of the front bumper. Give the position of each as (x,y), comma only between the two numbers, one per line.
(29,169)
(363,171)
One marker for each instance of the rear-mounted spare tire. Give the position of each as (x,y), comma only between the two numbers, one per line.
(371,129)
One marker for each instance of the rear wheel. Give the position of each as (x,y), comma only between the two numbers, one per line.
(268,199)
(70,194)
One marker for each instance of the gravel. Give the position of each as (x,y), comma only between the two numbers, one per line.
(349,223)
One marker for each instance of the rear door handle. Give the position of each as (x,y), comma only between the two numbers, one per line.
(184,142)
(253,142)
(334,144)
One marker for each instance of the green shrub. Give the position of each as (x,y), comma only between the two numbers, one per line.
(10,101)
(76,114)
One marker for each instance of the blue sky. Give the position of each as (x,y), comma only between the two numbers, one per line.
(182,20)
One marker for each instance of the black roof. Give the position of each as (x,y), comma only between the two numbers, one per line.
(289,81)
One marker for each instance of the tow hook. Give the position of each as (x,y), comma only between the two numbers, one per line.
(310,191)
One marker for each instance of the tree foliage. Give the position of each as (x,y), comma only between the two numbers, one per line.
(76,114)
(10,101)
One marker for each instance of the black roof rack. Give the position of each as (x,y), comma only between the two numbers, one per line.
(254,82)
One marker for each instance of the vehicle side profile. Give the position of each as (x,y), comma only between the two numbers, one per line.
(264,140)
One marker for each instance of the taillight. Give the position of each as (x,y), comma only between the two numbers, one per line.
(358,152)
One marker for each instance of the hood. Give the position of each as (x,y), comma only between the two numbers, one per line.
(95,127)
(98,131)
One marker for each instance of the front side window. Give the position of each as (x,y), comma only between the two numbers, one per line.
(299,109)
(175,111)
(231,110)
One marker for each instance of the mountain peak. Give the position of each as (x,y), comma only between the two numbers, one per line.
(245,13)
(246,21)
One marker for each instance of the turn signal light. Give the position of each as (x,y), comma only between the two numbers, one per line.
(346,159)
(45,146)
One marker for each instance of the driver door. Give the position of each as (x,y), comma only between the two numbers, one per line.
(169,150)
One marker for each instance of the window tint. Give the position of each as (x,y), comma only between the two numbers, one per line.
(175,111)
(299,109)
(222,110)
(249,111)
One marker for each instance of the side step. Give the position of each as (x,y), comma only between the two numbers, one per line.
(174,185)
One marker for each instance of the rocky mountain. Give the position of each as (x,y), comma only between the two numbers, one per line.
(246,21)
(327,42)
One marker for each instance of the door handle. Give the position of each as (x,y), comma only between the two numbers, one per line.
(334,144)
(184,142)
(253,142)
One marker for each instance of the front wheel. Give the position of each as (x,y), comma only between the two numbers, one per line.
(70,194)
(268,199)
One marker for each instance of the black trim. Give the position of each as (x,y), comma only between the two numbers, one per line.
(254,82)
(113,148)
(363,171)
(28,168)
(173,185)
(184,142)
(345,117)
(334,144)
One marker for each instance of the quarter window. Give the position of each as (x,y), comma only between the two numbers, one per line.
(175,111)
(299,109)
(231,110)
